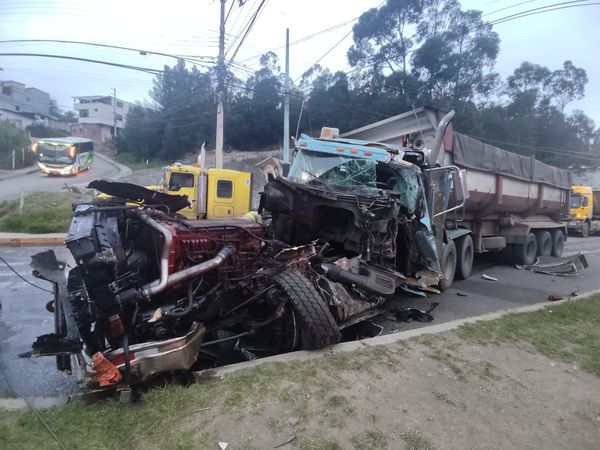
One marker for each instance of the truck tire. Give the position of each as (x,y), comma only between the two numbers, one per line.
(544,243)
(558,243)
(448,265)
(585,229)
(525,254)
(317,326)
(465,252)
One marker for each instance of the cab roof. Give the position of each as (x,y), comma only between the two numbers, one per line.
(353,148)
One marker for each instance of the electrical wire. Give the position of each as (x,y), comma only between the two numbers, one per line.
(93,44)
(23,278)
(50,431)
(248,29)
(95,61)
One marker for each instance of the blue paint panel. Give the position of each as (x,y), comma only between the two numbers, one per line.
(326,146)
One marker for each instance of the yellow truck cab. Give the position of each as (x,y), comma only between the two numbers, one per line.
(584,211)
(213,193)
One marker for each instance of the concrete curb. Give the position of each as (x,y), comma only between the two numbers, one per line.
(32,240)
(387,339)
(123,170)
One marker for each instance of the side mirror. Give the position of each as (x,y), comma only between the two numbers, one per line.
(459,181)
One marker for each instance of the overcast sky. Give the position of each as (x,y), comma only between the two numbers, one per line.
(190,27)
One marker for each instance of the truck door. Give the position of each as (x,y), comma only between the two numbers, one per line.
(228,193)
(182,183)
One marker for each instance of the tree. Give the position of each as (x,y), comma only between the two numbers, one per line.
(567,84)
(13,139)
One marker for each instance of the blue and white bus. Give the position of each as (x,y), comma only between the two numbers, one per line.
(64,156)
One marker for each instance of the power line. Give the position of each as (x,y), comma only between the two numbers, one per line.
(549,8)
(95,61)
(304,38)
(248,29)
(97,44)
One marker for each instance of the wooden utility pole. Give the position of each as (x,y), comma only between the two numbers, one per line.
(220,90)
(286,101)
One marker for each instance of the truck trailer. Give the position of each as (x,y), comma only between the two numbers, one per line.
(515,203)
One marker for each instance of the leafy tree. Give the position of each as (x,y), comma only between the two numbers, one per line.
(14,139)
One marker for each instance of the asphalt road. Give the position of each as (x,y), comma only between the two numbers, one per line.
(23,315)
(34,182)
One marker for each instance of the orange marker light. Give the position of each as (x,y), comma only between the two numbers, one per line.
(368,153)
(340,149)
(353,151)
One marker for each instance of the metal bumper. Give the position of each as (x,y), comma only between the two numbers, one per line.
(151,358)
(574,225)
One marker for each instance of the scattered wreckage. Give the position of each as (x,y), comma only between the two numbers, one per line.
(351,224)
(154,292)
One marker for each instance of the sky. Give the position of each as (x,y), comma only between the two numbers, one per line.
(190,27)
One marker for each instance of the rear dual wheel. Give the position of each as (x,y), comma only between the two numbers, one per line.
(449,261)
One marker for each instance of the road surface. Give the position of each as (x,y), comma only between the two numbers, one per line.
(11,188)
(23,315)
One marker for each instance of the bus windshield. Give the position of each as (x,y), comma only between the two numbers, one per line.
(55,154)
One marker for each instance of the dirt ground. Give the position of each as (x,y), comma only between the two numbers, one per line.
(432,394)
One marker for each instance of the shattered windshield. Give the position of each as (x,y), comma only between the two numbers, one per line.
(333,171)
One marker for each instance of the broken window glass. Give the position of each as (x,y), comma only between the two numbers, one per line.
(333,171)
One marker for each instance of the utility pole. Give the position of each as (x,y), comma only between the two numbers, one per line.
(115,119)
(220,90)
(286,101)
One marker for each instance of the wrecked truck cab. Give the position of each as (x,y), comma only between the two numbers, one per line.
(363,201)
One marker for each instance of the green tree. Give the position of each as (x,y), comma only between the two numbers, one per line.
(13,139)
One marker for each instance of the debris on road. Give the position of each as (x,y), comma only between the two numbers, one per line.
(489,278)
(555,298)
(461,294)
(569,265)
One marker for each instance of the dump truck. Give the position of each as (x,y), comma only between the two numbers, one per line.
(515,203)
(584,211)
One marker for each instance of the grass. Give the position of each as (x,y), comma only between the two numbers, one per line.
(294,397)
(415,441)
(569,332)
(135,163)
(43,212)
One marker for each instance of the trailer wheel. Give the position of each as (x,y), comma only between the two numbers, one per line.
(558,243)
(526,253)
(465,251)
(448,265)
(317,326)
(544,243)
(585,229)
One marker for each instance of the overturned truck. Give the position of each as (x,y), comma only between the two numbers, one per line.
(151,292)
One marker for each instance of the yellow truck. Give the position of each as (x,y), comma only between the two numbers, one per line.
(584,211)
(213,193)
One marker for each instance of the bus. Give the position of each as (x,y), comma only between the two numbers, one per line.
(64,156)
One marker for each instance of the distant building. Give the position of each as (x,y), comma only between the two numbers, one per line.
(97,117)
(24,106)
